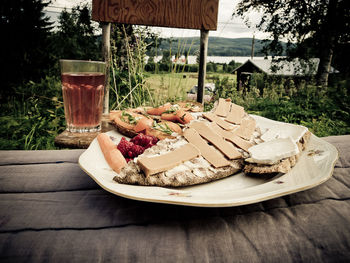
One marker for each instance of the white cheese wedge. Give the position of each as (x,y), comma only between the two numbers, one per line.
(284,130)
(272,151)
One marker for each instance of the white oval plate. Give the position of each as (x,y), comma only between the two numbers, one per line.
(314,167)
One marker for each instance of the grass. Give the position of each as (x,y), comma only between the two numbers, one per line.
(173,86)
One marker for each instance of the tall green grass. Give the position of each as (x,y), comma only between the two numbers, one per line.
(33,116)
(130,87)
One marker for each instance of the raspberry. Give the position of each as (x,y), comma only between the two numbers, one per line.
(124,147)
(154,139)
(137,150)
(144,140)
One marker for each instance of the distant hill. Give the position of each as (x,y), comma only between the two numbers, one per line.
(218,46)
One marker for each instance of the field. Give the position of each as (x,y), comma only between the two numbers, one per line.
(174,86)
(170,85)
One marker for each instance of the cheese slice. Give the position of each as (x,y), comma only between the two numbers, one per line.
(238,141)
(272,151)
(223,124)
(236,114)
(223,107)
(284,130)
(164,162)
(223,146)
(213,156)
(246,129)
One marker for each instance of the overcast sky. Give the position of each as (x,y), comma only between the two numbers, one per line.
(227,26)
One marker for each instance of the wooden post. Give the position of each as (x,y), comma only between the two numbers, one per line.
(202,64)
(106,54)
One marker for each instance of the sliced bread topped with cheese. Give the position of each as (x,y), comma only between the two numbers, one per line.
(279,150)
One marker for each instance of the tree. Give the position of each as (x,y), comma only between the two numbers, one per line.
(76,36)
(311,27)
(26,34)
(166,58)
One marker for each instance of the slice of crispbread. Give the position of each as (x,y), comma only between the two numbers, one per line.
(195,171)
(283,166)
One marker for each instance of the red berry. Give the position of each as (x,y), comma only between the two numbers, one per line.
(137,150)
(144,140)
(124,147)
(136,146)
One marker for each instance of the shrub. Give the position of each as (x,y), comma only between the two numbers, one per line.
(33,116)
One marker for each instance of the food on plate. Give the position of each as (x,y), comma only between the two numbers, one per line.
(207,147)
(130,124)
(177,116)
(136,146)
(159,110)
(235,115)
(221,122)
(227,148)
(223,107)
(232,137)
(190,106)
(143,124)
(113,156)
(280,150)
(156,164)
(195,171)
(125,121)
(271,152)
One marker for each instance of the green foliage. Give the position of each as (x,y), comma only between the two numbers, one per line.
(32,112)
(75,37)
(128,77)
(25,51)
(33,116)
(318,29)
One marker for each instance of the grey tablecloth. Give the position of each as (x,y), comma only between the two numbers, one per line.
(51,211)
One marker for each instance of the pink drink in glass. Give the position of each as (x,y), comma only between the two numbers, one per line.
(83,100)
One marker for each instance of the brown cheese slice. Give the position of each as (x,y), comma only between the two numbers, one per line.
(246,129)
(223,107)
(236,114)
(223,124)
(243,144)
(164,162)
(213,156)
(207,133)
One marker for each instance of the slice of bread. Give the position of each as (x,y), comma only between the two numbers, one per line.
(283,166)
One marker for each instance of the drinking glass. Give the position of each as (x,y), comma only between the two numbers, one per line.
(83,88)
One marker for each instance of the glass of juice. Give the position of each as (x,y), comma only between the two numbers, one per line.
(83,88)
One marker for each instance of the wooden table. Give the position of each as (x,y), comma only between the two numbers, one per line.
(76,140)
(51,211)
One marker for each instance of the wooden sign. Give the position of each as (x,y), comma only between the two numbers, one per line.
(191,14)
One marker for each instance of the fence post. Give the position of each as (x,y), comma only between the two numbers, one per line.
(106,54)
(202,64)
